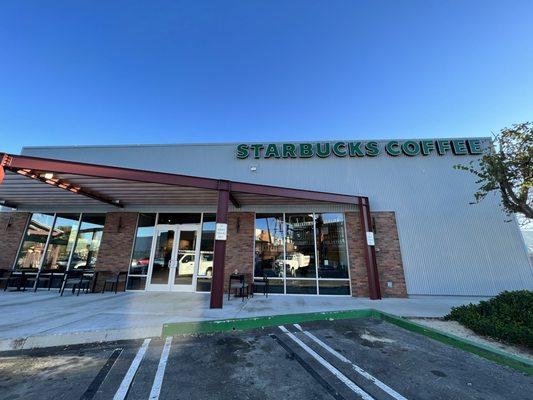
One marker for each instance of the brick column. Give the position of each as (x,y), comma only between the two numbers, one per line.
(240,246)
(12,226)
(356,255)
(388,255)
(117,243)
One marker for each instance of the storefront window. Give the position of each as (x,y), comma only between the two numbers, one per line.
(180,218)
(205,267)
(302,253)
(300,246)
(300,286)
(88,242)
(334,287)
(140,259)
(34,241)
(53,240)
(331,246)
(269,246)
(61,242)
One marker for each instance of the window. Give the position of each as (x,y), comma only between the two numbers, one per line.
(175,219)
(51,240)
(88,242)
(269,246)
(300,246)
(207,245)
(302,253)
(140,259)
(61,242)
(331,246)
(269,250)
(34,241)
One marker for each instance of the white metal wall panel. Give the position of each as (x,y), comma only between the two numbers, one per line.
(449,247)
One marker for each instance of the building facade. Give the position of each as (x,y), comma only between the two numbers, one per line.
(423,235)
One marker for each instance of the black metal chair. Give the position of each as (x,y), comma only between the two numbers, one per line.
(239,286)
(263,282)
(5,276)
(114,282)
(13,278)
(47,275)
(77,280)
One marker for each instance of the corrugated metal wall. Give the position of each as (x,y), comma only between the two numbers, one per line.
(449,247)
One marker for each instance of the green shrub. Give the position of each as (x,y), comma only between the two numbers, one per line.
(507,317)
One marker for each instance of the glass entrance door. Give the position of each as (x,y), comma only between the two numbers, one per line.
(174,258)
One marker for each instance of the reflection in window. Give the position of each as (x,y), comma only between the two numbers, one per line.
(291,248)
(331,246)
(295,286)
(34,241)
(140,259)
(205,266)
(300,246)
(179,218)
(61,242)
(269,245)
(136,282)
(88,242)
(334,287)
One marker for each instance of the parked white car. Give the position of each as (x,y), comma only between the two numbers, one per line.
(293,263)
(186,264)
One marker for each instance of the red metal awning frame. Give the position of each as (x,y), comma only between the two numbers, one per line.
(226,190)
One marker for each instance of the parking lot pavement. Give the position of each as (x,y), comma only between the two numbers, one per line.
(344,359)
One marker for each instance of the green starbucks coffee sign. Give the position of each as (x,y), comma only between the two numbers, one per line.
(371,148)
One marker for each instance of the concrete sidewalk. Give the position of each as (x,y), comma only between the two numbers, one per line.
(45,319)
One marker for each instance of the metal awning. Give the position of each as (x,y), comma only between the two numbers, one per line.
(31,181)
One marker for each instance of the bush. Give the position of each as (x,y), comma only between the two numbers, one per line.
(507,317)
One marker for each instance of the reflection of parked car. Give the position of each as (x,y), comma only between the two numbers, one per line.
(186,264)
(75,263)
(143,262)
(295,263)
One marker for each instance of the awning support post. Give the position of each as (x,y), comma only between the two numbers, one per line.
(370,252)
(217,282)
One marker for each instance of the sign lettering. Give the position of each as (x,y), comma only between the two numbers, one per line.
(393,148)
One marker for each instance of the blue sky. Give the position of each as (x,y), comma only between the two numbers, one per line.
(111,72)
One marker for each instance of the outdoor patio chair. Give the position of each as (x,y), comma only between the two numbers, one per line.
(47,275)
(13,278)
(261,283)
(77,280)
(237,283)
(5,275)
(114,282)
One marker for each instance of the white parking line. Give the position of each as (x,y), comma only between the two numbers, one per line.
(356,368)
(158,380)
(356,389)
(122,391)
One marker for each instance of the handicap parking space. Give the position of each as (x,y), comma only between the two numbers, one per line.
(342,359)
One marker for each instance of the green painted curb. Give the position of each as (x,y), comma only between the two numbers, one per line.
(498,356)
(490,353)
(181,328)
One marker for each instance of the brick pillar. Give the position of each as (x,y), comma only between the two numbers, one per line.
(240,246)
(388,255)
(356,255)
(12,226)
(117,243)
